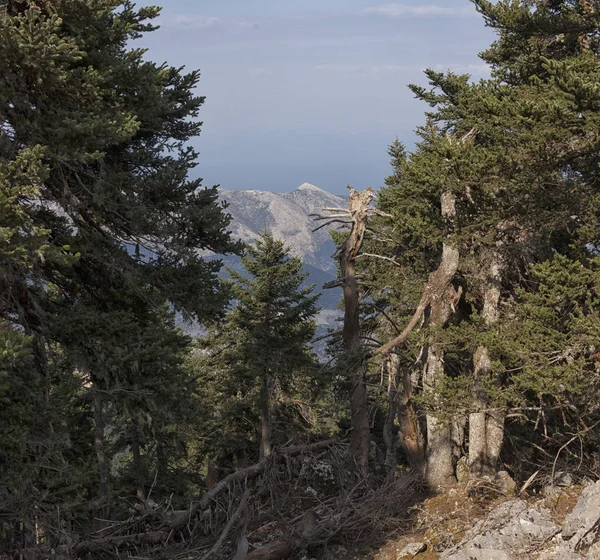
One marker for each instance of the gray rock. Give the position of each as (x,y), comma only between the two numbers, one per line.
(582,525)
(411,550)
(481,554)
(563,479)
(594,552)
(560,553)
(511,530)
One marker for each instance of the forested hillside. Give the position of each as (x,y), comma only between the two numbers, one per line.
(467,362)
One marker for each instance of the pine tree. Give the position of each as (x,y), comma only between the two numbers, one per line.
(524,191)
(101,229)
(260,354)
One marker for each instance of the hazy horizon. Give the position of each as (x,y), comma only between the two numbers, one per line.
(312,92)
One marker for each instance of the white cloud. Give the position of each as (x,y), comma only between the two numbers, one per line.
(400,10)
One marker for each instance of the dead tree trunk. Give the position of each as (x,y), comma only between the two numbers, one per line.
(266,427)
(486,426)
(361,440)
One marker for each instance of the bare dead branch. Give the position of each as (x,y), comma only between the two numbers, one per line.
(320,217)
(375,256)
(380,213)
(347,223)
(230,524)
(386,348)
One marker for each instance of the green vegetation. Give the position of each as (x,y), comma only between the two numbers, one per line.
(478,279)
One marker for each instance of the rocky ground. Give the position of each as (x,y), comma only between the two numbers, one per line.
(561,523)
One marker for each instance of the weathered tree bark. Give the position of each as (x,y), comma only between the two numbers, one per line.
(400,405)
(440,466)
(266,427)
(389,437)
(486,427)
(361,438)
(459,428)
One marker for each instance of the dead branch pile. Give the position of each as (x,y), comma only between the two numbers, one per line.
(299,498)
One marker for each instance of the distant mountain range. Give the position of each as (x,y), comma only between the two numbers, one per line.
(288,217)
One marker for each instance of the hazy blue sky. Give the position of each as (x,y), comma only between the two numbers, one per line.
(311,90)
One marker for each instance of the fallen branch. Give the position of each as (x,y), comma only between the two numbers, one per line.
(181,520)
(230,524)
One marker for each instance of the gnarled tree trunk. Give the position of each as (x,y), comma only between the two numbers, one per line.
(440,300)
(401,406)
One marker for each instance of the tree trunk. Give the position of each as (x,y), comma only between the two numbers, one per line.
(440,465)
(486,427)
(360,444)
(588,10)
(390,439)
(138,470)
(266,428)
(400,391)
(103,472)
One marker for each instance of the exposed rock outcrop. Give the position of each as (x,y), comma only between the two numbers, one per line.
(511,531)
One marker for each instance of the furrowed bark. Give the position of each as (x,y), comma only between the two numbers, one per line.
(486,429)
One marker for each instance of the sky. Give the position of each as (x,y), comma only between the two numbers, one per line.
(311,90)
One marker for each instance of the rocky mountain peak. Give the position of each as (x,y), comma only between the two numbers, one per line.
(308,187)
(288,217)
